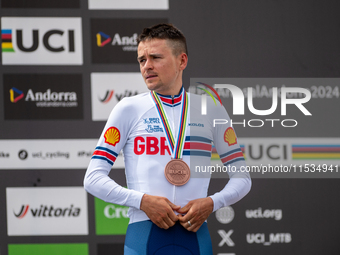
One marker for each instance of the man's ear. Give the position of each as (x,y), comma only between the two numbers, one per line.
(184,61)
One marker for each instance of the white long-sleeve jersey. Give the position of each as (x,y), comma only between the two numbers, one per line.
(134,126)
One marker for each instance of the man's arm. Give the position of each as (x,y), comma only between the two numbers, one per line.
(197,211)
(97,182)
(231,155)
(112,140)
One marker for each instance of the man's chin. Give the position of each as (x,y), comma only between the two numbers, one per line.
(152,86)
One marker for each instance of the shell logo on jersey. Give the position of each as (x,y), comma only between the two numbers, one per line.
(230,136)
(112,136)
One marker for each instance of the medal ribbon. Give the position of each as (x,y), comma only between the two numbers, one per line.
(176,146)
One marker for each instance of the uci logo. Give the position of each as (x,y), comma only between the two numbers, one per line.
(35,41)
(47,40)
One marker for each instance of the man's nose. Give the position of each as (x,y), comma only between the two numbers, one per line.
(148,64)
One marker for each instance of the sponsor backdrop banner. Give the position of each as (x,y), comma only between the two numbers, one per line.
(129,5)
(111,219)
(41,41)
(40,4)
(288,157)
(267,222)
(107,248)
(49,154)
(53,249)
(107,89)
(46,211)
(115,40)
(66,64)
(43,96)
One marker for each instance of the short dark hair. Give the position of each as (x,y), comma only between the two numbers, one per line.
(168,32)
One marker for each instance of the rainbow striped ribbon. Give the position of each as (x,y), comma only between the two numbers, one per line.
(176,146)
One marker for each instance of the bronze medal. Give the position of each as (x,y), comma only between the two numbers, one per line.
(177,172)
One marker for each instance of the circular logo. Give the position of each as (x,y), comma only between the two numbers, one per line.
(112,136)
(23,154)
(225,215)
(177,172)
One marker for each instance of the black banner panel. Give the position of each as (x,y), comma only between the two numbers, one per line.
(40,4)
(43,96)
(273,65)
(115,40)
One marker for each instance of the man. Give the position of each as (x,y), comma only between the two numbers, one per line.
(168,209)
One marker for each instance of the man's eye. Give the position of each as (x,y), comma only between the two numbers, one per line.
(142,60)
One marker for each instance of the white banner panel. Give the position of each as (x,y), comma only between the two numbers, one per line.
(77,153)
(49,154)
(288,151)
(107,89)
(129,4)
(46,211)
(283,158)
(42,41)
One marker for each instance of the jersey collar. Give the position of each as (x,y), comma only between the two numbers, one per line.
(171,101)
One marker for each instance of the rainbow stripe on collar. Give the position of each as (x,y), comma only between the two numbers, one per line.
(176,146)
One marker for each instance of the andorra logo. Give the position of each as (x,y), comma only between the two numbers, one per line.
(100,36)
(112,136)
(107,97)
(12,92)
(230,136)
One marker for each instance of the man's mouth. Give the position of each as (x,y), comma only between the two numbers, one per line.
(150,76)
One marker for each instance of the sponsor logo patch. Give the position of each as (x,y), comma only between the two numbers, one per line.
(112,136)
(230,136)
(154,128)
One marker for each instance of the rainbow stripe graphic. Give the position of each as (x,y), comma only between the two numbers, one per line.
(212,89)
(6,37)
(176,146)
(313,151)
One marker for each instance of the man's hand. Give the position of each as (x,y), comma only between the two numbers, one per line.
(196,211)
(160,210)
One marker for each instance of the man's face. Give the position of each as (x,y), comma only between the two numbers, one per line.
(161,69)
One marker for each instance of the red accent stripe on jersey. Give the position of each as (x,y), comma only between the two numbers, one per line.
(232,156)
(197,146)
(105,154)
(169,100)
